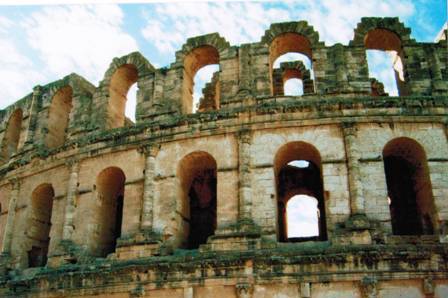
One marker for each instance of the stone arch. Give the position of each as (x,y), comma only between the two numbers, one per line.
(12,133)
(292,70)
(123,72)
(386,34)
(409,188)
(59,117)
(291,180)
(197,174)
(390,24)
(110,191)
(39,224)
(196,53)
(282,38)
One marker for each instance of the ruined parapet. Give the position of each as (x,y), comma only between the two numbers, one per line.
(377,88)
(211,91)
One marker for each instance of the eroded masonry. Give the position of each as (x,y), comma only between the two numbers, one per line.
(183,204)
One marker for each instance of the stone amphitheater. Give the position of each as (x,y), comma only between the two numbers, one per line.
(189,205)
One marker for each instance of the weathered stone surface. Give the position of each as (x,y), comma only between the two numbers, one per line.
(183,204)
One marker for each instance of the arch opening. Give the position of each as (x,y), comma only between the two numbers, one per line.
(198,187)
(110,185)
(11,138)
(59,117)
(39,225)
(195,60)
(409,188)
(385,61)
(302,217)
(292,74)
(293,87)
(120,85)
(300,201)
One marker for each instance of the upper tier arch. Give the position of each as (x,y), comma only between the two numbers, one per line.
(391,24)
(301,28)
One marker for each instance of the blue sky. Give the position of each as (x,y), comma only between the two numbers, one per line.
(42,43)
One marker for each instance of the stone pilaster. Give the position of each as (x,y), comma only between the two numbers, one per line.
(358,220)
(354,173)
(244,290)
(339,64)
(70,204)
(147,215)
(32,124)
(245,200)
(368,287)
(9,228)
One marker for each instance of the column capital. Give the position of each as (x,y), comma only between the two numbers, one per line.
(349,127)
(245,136)
(15,182)
(70,162)
(151,149)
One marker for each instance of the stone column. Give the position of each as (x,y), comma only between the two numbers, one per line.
(70,204)
(9,228)
(32,122)
(354,174)
(245,200)
(339,64)
(369,287)
(147,214)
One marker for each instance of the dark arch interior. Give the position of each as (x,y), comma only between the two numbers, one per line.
(40,225)
(12,134)
(110,186)
(198,181)
(409,188)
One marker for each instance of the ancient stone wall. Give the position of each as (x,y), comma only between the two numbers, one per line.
(183,204)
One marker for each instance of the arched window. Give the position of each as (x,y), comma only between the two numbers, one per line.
(193,61)
(110,185)
(288,47)
(58,117)
(11,138)
(120,84)
(39,225)
(197,177)
(385,60)
(409,188)
(297,167)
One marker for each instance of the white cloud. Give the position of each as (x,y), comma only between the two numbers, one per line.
(171,24)
(302,216)
(17,73)
(293,87)
(81,39)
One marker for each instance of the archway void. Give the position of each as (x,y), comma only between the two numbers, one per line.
(39,225)
(409,188)
(385,60)
(297,167)
(110,184)
(11,137)
(120,83)
(193,61)
(198,181)
(58,117)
